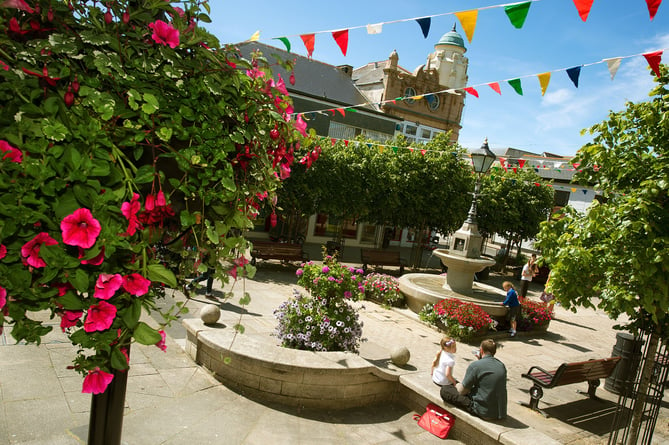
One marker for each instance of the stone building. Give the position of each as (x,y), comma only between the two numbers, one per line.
(425,108)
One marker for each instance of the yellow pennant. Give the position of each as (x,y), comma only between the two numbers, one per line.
(468,22)
(255,37)
(544,79)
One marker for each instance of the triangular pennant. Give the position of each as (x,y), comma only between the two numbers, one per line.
(583,7)
(425,25)
(285,41)
(654,60)
(573,74)
(613,65)
(585,192)
(345,142)
(468,22)
(521,162)
(419,97)
(333,140)
(495,86)
(515,84)
(394,150)
(369,145)
(652,7)
(375,29)
(472,91)
(341,37)
(423,151)
(573,189)
(544,79)
(309,42)
(341,110)
(517,13)
(429,98)
(255,37)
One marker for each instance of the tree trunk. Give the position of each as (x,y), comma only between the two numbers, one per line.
(106,419)
(640,401)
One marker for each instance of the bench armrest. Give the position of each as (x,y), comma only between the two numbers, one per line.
(549,374)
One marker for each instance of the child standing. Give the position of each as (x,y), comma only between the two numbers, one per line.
(442,367)
(512,302)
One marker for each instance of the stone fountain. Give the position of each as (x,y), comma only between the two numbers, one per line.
(463,261)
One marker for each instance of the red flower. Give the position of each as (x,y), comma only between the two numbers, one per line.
(18,4)
(107,285)
(130,210)
(3,297)
(164,33)
(96,381)
(135,284)
(69,319)
(100,317)
(157,210)
(3,251)
(11,153)
(80,229)
(161,344)
(30,250)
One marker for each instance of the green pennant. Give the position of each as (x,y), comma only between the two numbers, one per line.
(517,13)
(285,42)
(394,150)
(515,84)
(352,110)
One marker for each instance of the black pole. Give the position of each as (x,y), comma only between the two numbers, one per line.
(106,420)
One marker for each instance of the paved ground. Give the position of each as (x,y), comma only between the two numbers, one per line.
(171,400)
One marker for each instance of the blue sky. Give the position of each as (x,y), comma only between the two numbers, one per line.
(553,38)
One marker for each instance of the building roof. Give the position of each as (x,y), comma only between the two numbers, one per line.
(451,38)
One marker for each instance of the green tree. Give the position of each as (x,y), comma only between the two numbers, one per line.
(615,256)
(513,206)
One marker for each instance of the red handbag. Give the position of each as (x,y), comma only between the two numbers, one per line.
(436,420)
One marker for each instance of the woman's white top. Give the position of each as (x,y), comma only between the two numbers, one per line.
(446,360)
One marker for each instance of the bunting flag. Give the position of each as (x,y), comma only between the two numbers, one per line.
(518,13)
(515,84)
(468,22)
(544,78)
(573,74)
(613,65)
(341,111)
(376,28)
(495,87)
(425,25)
(341,37)
(654,60)
(309,42)
(255,37)
(285,41)
(583,7)
(472,91)
(652,7)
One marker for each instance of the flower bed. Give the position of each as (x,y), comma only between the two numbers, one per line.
(534,315)
(383,288)
(461,320)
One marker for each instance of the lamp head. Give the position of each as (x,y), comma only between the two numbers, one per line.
(482,158)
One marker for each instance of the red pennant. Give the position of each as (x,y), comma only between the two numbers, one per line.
(423,151)
(341,37)
(341,111)
(537,184)
(515,170)
(345,142)
(502,161)
(334,141)
(583,7)
(411,149)
(654,60)
(472,91)
(521,162)
(309,42)
(495,86)
(652,7)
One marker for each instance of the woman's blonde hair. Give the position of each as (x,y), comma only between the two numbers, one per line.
(445,342)
(507,283)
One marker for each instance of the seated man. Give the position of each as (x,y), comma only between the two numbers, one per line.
(483,390)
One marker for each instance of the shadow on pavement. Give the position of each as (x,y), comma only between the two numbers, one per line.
(594,416)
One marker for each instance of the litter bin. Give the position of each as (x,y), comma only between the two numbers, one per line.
(621,381)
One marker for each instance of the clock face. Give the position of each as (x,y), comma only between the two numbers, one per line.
(409,92)
(433,103)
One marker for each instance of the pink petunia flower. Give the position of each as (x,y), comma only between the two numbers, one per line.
(161,344)
(96,381)
(107,285)
(300,125)
(80,228)
(3,297)
(69,319)
(11,153)
(3,251)
(100,317)
(130,210)
(4,66)
(164,33)
(18,4)
(30,250)
(135,284)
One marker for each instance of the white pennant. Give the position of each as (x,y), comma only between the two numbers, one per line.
(375,29)
(613,64)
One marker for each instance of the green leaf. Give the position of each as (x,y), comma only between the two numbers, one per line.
(133,97)
(150,105)
(160,274)
(164,133)
(71,302)
(54,130)
(146,335)
(132,314)
(145,174)
(80,280)
(118,360)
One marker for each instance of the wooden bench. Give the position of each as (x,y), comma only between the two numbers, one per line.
(378,257)
(267,250)
(567,373)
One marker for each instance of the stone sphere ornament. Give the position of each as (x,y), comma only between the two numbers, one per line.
(400,356)
(210,313)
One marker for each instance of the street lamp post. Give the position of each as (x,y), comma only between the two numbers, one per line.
(467,240)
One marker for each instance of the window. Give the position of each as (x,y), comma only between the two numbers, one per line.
(327,225)
(561,198)
(433,102)
(426,134)
(410,130)
(409,92)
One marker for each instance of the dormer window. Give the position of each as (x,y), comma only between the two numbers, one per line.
(409,93)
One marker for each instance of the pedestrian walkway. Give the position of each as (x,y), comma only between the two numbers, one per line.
(172,400)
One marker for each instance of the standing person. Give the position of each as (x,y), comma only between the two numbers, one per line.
(442,367)
(512,302)
(529,271)
(207,275)
(482,392)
